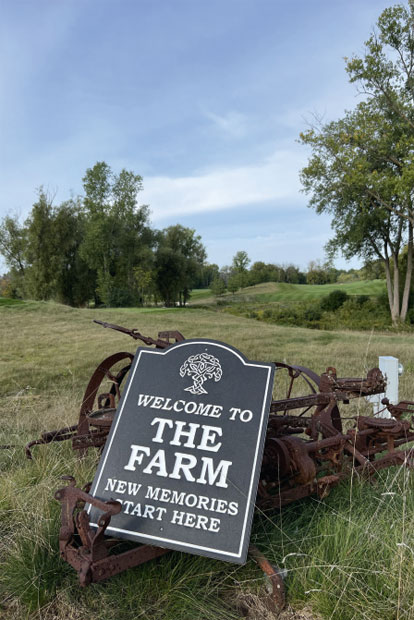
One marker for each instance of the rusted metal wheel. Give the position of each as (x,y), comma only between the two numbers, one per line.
(292,380)
(98,408)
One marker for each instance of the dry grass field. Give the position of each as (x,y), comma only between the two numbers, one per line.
(348,557)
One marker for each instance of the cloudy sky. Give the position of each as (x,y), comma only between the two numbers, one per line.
(204,98)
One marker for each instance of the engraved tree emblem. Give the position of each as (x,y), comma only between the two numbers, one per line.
(201,367)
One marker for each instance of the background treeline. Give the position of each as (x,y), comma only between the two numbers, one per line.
(99,248)
(239,275)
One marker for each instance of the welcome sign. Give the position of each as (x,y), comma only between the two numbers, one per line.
(184,453)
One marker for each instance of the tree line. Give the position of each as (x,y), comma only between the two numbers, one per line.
(239,275)
(100,247)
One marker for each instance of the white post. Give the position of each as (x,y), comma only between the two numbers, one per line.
(391,369)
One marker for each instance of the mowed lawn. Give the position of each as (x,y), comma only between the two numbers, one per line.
(284,292)
(347,557)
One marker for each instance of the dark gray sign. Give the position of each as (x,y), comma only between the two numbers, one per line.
(185,449)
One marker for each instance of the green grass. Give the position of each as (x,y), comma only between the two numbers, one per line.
(5,301)
(199,294)
(284,292)
(347,557)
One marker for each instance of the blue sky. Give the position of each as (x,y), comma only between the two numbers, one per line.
(204,98)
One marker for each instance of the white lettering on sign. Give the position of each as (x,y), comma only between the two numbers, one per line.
(191,500)
(188,430)
(245,415)
(199,522)
(178,406)
(146,511)
(183,467)
(121,486)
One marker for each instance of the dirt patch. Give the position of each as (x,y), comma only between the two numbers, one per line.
(254,607)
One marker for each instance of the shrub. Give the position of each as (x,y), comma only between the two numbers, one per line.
(361,299)
(410,316)
(312,314)
(334,300)
(119,298)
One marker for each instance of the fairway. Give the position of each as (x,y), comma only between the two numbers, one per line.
(284,292)
(48,354)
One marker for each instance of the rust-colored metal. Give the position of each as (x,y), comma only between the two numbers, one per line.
(94,556)
(87,550)
(97,410)
(275,596)
(306,453)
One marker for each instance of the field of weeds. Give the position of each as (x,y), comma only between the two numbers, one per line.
(349,556)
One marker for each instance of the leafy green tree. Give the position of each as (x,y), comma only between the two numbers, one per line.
(218,287)
(371,162)
(320,273)
(258,273)
(294,275)
(74,281)
(266,272)
(13,242)
(241,261)
(46,261)
(240,264)
(42,248)
(6,287)
(233,283)
(351,177)
(145,283)
(178,260)
(208,273)
(384,74)
(117,236)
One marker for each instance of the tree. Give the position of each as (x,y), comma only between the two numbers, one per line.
(266,272)
(42,248)
(208,273)
(117,236)
(13,244)
(74,281)
(361,169)
(320,273)
(218,287)
(179,258)
(43,253)
(240,263)
(233,283)
(145,283)
(293,275)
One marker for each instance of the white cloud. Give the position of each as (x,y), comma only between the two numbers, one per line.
(233,123)
(274,179)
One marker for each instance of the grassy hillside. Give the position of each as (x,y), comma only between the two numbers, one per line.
(284,292)
(347,557)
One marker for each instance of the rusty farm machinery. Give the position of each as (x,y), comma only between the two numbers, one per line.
(307,452)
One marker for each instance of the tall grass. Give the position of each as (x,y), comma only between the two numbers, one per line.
(348,557)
